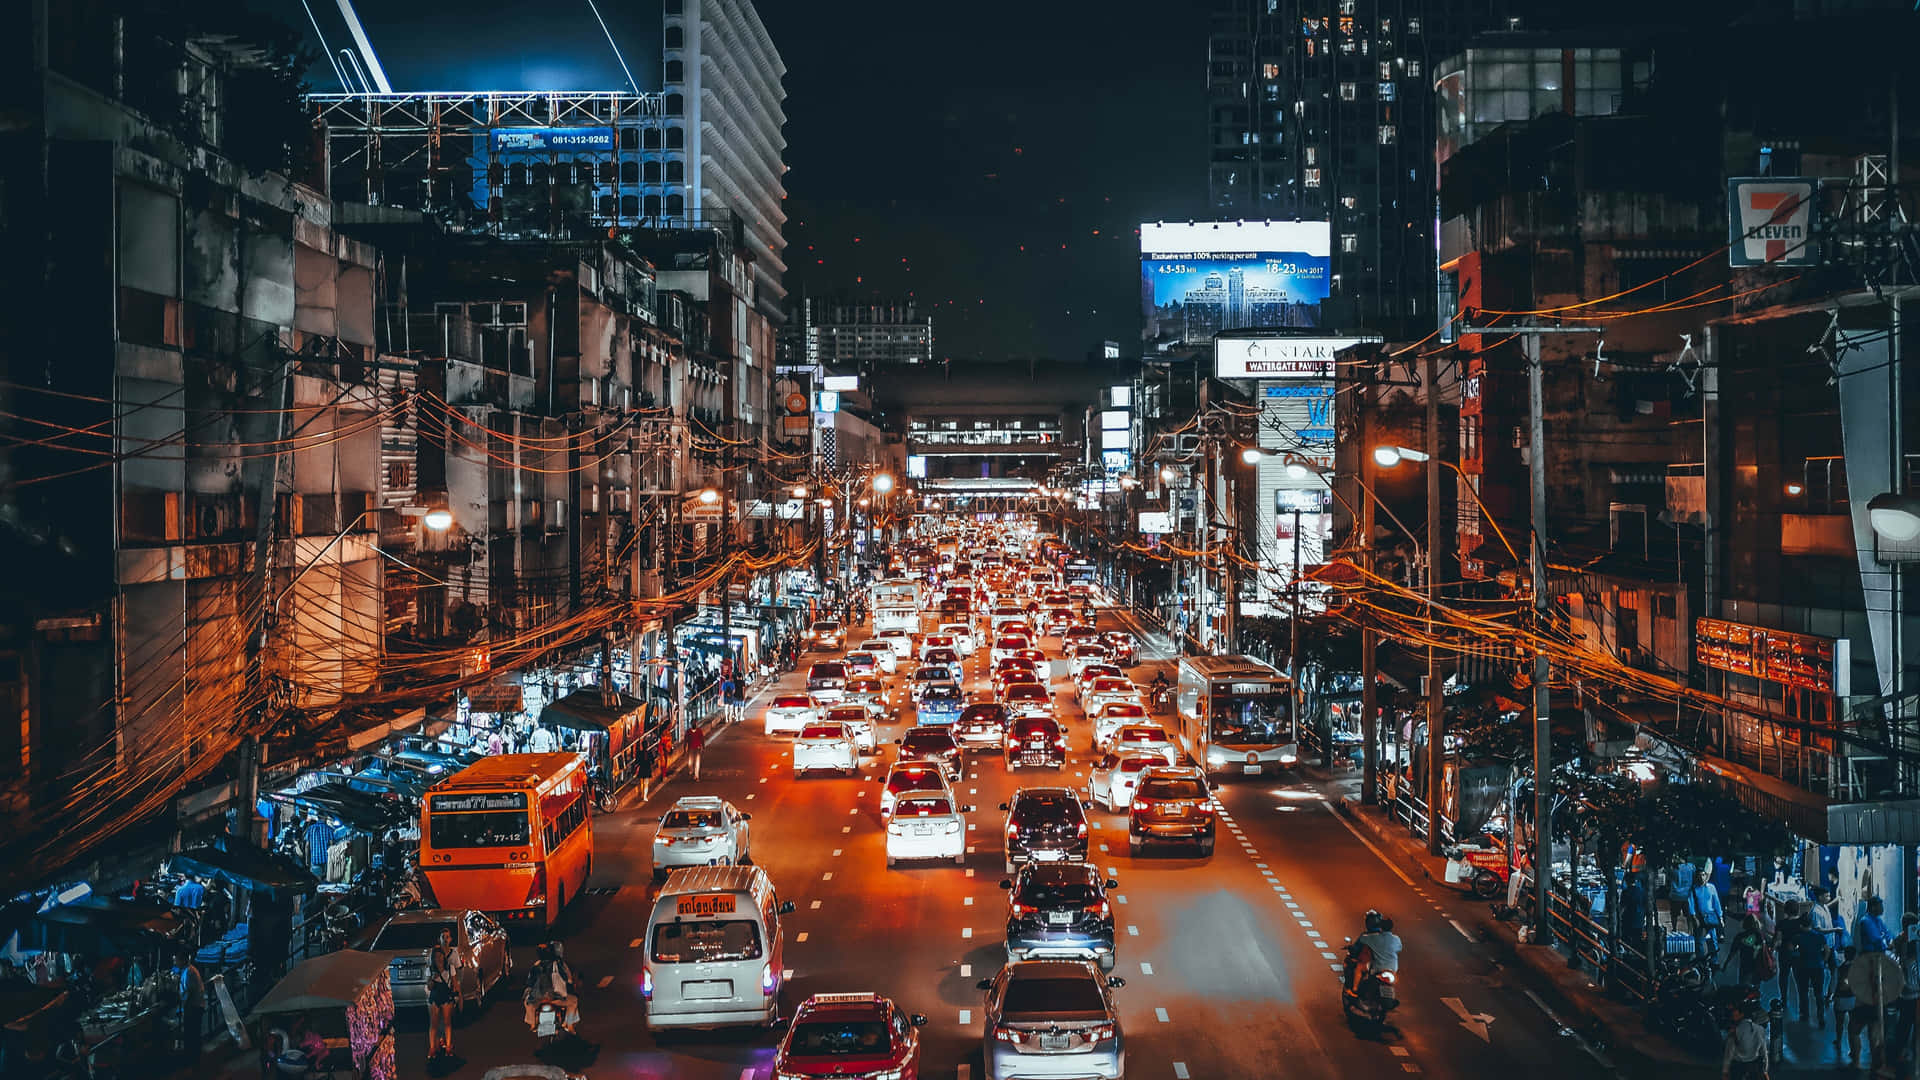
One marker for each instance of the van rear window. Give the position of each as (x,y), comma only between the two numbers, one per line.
(706,942)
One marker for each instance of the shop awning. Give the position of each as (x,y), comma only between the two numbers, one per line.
(99,925)
(333,981)
(356,809)
(246,865)
(588,710)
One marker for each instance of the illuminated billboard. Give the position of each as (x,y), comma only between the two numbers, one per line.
(1199,279)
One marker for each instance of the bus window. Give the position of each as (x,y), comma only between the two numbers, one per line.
(492,828)
(1250,719)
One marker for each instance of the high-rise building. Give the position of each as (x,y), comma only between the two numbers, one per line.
(1322,110)
(848,336)
(723,107)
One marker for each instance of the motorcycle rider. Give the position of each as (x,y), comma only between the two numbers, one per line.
(551,979)
(1381,942)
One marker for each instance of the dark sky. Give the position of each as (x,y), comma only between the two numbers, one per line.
(992,159)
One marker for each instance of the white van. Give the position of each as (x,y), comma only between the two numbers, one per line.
(714,950)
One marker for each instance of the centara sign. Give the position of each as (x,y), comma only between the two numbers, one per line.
(1277,357)
(1772,221)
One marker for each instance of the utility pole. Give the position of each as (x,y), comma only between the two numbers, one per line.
(1369,694)
(1436,700)
(1542,694)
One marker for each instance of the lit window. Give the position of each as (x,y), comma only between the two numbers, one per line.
(1313,155)
(1386,69)
(1349,91)
(1386,134)
(1270,71)
(1413,68)
(1299,108)
(1349,243)
(1313,177)
(1386,26)
(1413,26)
(1346,7)
(1386,91)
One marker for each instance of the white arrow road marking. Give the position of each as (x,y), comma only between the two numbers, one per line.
(1474,1022)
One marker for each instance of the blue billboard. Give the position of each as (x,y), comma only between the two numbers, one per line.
(543,140)
(1197,279)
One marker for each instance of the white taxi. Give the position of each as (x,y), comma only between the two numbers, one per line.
(1151,738)
(1112,716)
(791,712)
(927,825)
(962,635)
(1113,779)
(883,653)
(824,746)
(1104,691)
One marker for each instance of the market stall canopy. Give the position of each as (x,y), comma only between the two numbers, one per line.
(333,981)
(245,865)
(99,925)
(589,710)
(334,798)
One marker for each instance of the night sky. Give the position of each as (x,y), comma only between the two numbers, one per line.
(990,159)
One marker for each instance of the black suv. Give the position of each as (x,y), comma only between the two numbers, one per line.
(1036,741)
(1059,910)
(1045,824)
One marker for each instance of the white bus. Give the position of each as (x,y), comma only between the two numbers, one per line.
(896,605)
(1235,715)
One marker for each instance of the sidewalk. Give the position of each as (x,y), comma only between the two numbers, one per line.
(1615,1023)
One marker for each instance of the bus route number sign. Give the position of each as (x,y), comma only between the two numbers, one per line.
(707,904)
(490,800)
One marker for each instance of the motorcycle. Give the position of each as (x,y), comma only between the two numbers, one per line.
(546,1023)
(1481,867)
(1376,994)
(1688,1008)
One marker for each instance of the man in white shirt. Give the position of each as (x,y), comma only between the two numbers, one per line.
(1745,1054)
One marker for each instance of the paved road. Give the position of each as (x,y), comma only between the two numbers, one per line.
(1231,962)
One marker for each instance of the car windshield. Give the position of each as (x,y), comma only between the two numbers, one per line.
(1172,789)
(822,731)
(929,743)
(943,693)
(791,702)
(406,936)
(706,942)
(923,808)
(691,819)
(1050,996)
(860,658)
(838,1038)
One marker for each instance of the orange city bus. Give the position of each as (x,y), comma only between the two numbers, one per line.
(510,835)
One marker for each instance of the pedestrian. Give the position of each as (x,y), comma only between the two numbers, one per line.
(1820,917)
(1873,935)
(1908,953)
(495,744)
(1703,904)
(319,838)
(443,989)
(696,742)
(1844,1003)
(1744,1055)
(542,741)
(190,991)
(1807,958)
(1748,947)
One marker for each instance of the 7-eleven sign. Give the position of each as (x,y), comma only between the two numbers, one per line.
(1771,221)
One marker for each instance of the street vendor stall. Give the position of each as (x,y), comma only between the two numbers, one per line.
(347,1000)
(608,728)
(111,952)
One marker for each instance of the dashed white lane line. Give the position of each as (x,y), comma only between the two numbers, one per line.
(966,931)
(1329,956)
(605,981)
(1146,968)
(836,853)
(1133,931)
(1455,923)
(1179,1070)
(802,936)
(853,811)
(969,869)
(846,828)
(1291,906)
(966,1017)
(635,943)
(828,876)
(1260,866)
(966,901)
(786,974)
(1103,847)
(1120,897)
(1399,1051)
(815,906)
(966,971)
(747,1073)
(749,795)
(763,779)
(1161,1015)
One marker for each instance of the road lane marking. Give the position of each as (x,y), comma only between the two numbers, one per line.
(1455,923)
(1121,897)
(1293,906)
(1103,847)
(1179,1070)
(786,974)
(966,901)
(966,931)
(966,1017)
(1313,933)
(969,869)
(1263,866)
(970,825)
(828,876)
(749,796)
(802,936)
(1408,1066)
(1146,968)
(815,906)
(836,853)
(969,850)
(605,981)
(747,1073)
(763,779)
(1397,872)
(1161,1015)
(1133,931)
(1399,1051)
(635,943)
(966,971)
(846,828)
(1329,956)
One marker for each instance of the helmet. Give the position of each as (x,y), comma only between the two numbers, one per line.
(1374,921)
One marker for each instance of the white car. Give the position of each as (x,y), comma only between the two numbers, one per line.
(827,634)
(859,723)
(872,695)
(791,712)
(1008,645)
(927,825)
(882,651)
(906,778)
(1083,679)
(962,635)
(701,830)
(897,639)
(1112,780)
(825,746)
(1104,691)
(1112,716)
(1081,657)
(1149,737)
(934,642)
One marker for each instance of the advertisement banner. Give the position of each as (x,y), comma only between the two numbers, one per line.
(1155,522)
(550,139)
(1278,357)
(1199,279)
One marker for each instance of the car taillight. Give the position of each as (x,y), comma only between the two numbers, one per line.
(767,985)
(1388,977)
(1102,909)
(1082,831)
(953,826)
(1141,804)
(1101,1032)
(1013,830)
(1061,742)
(537,891)
(1204,809)
(646,983)
(1008,1035)
(1025,909)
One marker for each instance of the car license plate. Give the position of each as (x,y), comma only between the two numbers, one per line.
(1060,918)
(1048,856)
(923,830)
(708,989)
(1055,1042)
(1253,770)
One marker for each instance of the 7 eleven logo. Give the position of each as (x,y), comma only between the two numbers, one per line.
(1774,221)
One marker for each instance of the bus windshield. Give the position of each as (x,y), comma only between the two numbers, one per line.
(1251,719)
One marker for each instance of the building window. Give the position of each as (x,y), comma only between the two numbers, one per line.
(650,138)
(676,71)
(676,171)
(675,38)
(1347,202)
(1413,26)
(1349,243)
(1313,155)
(653,206)
(650,171)
(1313,177)
(1386,134)
(629,206)
(1386,26)
(1346,7)
(1386,69)
(1269,71)
(676,206)
(1349,91)
(676,138)
(629,138)
(1248,138)
(1386,91)
(606,206)
(1299,108)
(675,105)
(1413,69)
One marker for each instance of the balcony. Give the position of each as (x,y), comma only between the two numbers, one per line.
(1816,534)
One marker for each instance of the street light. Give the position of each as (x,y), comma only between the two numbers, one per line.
(1252,455)
(1388,456)
(709,496)
(883,483)
(1297,471)
(439,519)
(799,491)
(1167,473)
(1895,517)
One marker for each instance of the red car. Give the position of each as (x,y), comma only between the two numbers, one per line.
(850,1037)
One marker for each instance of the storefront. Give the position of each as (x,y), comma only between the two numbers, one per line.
(614,731)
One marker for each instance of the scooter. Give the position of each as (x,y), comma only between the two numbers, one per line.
(546,1024)
(1377,994)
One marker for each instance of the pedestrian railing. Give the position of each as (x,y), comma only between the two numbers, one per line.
(1408,809)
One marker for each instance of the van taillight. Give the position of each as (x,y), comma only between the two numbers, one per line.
(646,983)
(537,891)
(767,984)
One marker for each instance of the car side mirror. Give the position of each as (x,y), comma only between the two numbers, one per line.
(918,1020)
(1112,884)
(1003,806)
(1116,981)
(1006,883)
(983,984)
(786,907)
